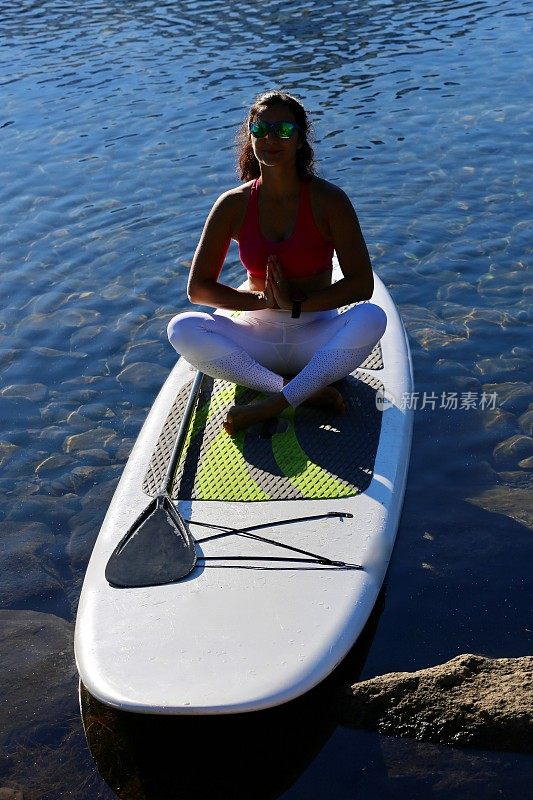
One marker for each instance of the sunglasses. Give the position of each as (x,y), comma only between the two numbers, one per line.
(283,130)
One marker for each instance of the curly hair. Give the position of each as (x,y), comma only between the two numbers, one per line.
(247,164)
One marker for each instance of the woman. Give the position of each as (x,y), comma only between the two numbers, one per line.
(290,341)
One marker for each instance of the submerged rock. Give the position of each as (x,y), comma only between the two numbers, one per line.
(27,563)
(499,424)
(511,396)
(513,449)
(11,794)
(514,501)
(468,701)
(526,423)
(38,679)
(32,391)
(143,374)
(96,438)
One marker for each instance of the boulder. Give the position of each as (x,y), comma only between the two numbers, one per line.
(468,701)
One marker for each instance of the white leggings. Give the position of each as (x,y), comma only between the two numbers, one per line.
(257,348)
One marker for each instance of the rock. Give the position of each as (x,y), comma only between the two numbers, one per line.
(414,770)
(84,526)
(32,391)
(468,701)
(114,292)
(94,339)
(152,350)
(130,321)
(465,383)
(7,449)
(53,353)
(448,367)
(79,395)
(96,438)
(23,437)
(52,437)
(514,502)
(53,464)
(78,423)
(31,559)
(52,510)
(517,478)
(498,367)
(526,423)
(55,412)
(460,291)
(513,449)
(11,794)
(96,457)
(124,450)
(499,423)
(74,480)
(511,396)
(431,339)
(18,412)
(526,463)
(153,328)
(95,411)
(47,302)
(65,320)
(8,355)
(38,681)
(142,373)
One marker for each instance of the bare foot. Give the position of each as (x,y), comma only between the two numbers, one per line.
(240,417)
(329,398)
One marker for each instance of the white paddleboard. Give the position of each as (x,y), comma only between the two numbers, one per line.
(253,625)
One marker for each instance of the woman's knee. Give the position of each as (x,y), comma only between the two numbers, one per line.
(184,330)
(377,320)
(366,324)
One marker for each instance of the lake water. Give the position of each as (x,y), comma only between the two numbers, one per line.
(117,125)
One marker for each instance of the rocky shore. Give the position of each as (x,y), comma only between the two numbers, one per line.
(470,701)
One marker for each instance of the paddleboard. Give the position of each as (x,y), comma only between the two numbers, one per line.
(294,526)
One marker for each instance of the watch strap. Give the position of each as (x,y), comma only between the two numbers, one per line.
(296,308)
(297,299)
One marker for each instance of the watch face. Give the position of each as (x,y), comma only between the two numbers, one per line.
(297,296)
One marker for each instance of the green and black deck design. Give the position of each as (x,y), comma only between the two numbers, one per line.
(309,454)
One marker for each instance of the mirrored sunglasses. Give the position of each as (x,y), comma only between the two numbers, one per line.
(283,130)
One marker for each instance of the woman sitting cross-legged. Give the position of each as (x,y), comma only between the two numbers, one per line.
(290,341)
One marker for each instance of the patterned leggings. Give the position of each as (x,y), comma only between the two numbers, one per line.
(257,348)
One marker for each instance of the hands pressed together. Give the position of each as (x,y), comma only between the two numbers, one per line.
(277,289)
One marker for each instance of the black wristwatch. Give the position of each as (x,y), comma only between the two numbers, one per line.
(297,300)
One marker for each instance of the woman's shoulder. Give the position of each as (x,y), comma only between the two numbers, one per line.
(233,199)
(328,198)
(236,194)
(325,190)
(230,207)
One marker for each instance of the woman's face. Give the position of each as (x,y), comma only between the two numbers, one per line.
(271,151)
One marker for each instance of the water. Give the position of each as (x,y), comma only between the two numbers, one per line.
(117,126)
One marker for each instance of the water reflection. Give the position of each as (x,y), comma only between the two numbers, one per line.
(259,755)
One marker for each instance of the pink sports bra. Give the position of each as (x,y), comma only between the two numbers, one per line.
(304,253)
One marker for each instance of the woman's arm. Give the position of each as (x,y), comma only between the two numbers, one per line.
(203,286)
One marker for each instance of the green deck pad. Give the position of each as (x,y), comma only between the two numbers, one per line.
(312,453)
